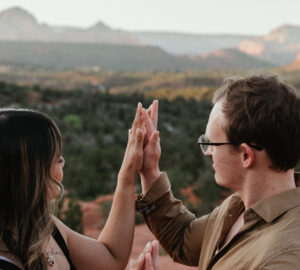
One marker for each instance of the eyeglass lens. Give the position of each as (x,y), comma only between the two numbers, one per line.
(204,147)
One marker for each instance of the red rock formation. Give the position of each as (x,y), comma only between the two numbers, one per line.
(295,65)
(93,221)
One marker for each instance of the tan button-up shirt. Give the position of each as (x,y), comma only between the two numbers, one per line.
(269,238)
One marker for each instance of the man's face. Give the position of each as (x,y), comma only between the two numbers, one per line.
(226,161)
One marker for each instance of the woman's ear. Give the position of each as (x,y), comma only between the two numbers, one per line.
(247,155)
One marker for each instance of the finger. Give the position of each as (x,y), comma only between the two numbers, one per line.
(154,113)
(148,123)
(139,138)
(137,119)
(154,138)
(142,124)
(137,264)
(148,262)
(132,265)
(148,248)
(155,254)
(149,110)
(140,262)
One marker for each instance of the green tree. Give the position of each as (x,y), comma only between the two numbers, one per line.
(72,215)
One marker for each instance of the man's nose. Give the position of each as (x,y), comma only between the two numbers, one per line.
(210,150)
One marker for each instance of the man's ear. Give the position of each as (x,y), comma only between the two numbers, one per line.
(247,155)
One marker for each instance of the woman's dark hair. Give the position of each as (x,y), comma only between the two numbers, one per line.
(263,110)
(29,142)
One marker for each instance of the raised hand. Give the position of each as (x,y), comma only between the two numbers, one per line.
(133,158)
(152,151)
(117,235)
(148,259)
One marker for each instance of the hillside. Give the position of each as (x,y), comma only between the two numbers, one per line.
(281,46)
(17,24)
(103,56)
(295,66)
(230,59)
(119,57)
(173,51)
(189,44)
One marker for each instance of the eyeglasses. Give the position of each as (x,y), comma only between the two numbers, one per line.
(204,143)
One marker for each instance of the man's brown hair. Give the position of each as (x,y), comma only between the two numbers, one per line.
(263,110)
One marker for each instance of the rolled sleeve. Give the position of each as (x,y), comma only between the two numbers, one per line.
(146,203)
(177,229)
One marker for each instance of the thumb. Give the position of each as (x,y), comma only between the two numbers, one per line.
(154,137)
(139,137)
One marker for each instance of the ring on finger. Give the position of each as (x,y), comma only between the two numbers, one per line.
(130,130)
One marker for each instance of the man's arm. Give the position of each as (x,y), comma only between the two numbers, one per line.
(287,260)
(177,229)
(150,171)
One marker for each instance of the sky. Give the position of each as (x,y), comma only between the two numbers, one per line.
(254,17)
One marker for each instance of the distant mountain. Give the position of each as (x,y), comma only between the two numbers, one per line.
(281,46)
(104,56)
(294,66)
(16,24)
(189,44)
(120,57)
(68,47)
(230,59)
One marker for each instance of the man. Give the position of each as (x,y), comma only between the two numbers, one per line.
(253,139)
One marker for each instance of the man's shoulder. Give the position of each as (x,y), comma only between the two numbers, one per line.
(229,206)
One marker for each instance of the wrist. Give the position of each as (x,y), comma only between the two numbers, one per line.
(148,178)
(126,176)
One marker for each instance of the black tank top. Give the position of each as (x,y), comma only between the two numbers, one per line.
(5,265)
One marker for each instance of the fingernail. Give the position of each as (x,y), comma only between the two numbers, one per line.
(132,262)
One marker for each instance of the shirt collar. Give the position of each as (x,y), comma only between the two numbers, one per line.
(271,208)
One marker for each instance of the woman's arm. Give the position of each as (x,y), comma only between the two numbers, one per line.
(112,248)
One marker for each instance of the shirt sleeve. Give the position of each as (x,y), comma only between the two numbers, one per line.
(178,230)
(290,259)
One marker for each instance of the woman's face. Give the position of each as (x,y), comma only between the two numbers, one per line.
(56,170)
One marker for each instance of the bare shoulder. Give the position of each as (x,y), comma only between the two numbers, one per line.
(62,228)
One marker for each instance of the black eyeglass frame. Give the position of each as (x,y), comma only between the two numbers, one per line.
(257,147)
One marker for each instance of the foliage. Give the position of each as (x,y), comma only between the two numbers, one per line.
(71,215)
(94,127)
(73,121)
(94,124)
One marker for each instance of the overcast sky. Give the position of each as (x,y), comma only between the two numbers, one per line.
(192,16)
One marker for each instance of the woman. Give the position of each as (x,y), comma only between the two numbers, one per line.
(31,172)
